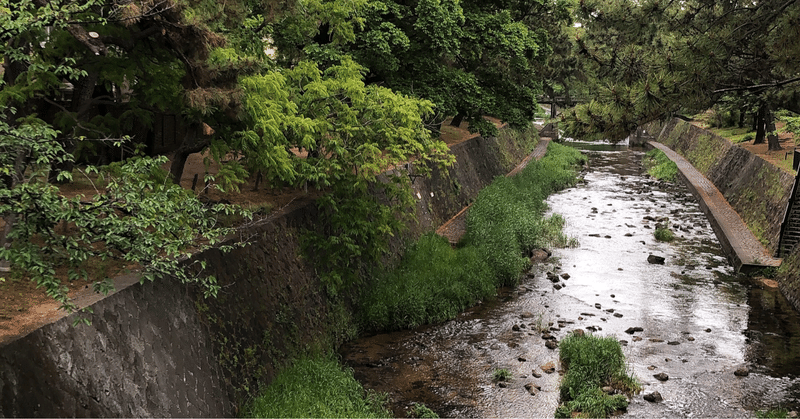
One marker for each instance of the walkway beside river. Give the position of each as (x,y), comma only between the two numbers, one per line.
(743,249)
(455,228)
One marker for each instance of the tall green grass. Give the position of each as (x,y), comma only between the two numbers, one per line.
(593,362)
(317,387)
(659,166)
(435,282)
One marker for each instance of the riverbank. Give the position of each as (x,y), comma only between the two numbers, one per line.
(161,349)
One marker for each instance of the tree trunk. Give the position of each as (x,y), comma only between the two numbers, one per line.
(772,136)
(456,122)
(741,118)
(553,109)
(193,142)
(760,129)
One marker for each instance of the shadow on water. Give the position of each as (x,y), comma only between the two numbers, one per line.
(700,321)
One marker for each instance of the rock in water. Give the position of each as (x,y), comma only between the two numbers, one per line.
(654,397)
(661,376)
(742,372)
(658,260)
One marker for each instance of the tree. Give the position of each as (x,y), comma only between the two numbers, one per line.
(655,58)
(469,58)
(127,61)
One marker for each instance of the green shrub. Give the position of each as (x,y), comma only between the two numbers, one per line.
(593,362)
(501,374)
(773,413)
(434,282)
(317,387)
(419,410)
(664,234)
(659,166)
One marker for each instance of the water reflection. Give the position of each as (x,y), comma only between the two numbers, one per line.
(700,321)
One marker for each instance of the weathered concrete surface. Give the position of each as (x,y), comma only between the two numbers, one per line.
(757,190)
(162,350)
(742,248)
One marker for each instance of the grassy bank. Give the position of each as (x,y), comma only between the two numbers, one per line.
(317,387)
(593,363)
(659,166)
(435,282)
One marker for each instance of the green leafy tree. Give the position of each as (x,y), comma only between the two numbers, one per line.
(653,59)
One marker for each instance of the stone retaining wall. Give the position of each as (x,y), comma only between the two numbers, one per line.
(161,350)
(756,189)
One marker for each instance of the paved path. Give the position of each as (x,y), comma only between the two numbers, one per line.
(455,228)
(741,246)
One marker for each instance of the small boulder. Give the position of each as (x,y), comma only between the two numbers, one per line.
(551,344)
(657,260)
(661,376)
(654,397)
(632,330)
(742,372)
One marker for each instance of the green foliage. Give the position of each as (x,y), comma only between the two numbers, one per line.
(501,374)
(659,166)
(779,412)
(591,363)
(136,215)
(317,387)
(664,234)
(419,410)
(435,282)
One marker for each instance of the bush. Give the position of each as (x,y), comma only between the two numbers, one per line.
(317,387)
(591,363)
(435,282)
(664,235)
(659,166)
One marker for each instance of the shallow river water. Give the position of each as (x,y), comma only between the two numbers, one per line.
(700,322)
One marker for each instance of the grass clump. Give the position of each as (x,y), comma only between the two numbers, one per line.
(659,166)
(317,387)
(664,234)
(501,374)
(591,363)
(419,410)
(773,413)
(434,282)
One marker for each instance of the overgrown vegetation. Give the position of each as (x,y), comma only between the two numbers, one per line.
(664,234)
(434,282)
(591,363)
(659,166)
(501,374)
(419,410)
(779,412)
(317,387)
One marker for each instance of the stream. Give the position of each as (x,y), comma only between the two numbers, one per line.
(699,321)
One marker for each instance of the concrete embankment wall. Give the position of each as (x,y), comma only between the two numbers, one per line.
(161,350)
(756,189)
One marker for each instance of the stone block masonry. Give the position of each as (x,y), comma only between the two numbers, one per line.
(161,350)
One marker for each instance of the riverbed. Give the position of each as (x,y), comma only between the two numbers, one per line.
(691,318)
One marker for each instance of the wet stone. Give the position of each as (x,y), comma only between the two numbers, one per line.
(515,328)
(661,376)
(632,330)
(742,372)
(521,359)
(578,332)
(652,367)
(657,260)
(617,314)
(557,286)
(597,306)
(636,338)
(690,339)
(654,397)
(673,342)
(536,374)
(551,344)
(565,276)
(502,384)
(656,340)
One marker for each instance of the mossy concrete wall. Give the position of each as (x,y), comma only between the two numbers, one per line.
(755,188)
(161,350)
